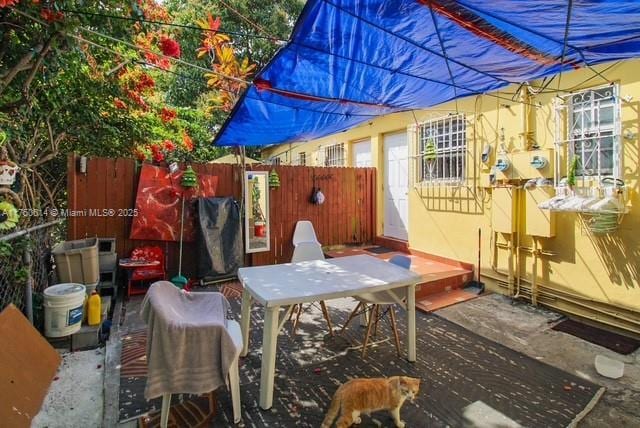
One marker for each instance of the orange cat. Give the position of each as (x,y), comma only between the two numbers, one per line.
(369,395)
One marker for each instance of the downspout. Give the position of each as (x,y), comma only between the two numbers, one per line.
(518,265)
(534,273)
(513,249)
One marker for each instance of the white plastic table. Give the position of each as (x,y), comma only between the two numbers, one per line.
(287,284)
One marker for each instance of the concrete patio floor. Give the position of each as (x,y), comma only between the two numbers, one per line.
(524,328)
(516,325)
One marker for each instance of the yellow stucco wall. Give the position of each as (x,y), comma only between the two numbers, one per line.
(592,276)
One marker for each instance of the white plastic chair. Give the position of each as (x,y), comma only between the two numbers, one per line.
(233,382)
(304,232)
(371,303)
(307,251)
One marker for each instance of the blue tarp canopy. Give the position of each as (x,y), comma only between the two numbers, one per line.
(350,60)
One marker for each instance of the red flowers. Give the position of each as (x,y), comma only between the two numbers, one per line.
(8,3)
(119,104)
(137,98)
(154,59)
(169,146)
(187,142)
(50,16)
(156,153)
(140,154)
(145,82)
(167,115)
(169,47)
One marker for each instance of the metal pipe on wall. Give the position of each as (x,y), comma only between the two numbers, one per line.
(534,273)
(550,298)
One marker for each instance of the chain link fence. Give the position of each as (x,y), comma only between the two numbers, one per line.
(26,267)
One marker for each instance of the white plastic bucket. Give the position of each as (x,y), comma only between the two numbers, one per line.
(63,309)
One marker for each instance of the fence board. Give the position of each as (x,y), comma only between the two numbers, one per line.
(346,217)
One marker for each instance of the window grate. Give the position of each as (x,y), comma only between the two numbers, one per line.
(593,131)
(588,124)
(334,155)
(442,150)
(302,159)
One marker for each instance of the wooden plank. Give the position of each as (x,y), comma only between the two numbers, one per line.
(27,366)
(129,190)
(119,222)
(81,203)
(72,222)
(101,196)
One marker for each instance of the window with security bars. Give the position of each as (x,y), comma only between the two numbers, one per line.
(594,131)
(334,155)
(442,149)
(275,161)
(302,159)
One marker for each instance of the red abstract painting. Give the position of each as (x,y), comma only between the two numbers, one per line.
(158,204)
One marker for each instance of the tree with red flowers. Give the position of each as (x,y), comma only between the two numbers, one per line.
(73,79)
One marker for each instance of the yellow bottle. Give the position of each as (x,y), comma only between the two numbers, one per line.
(95,311)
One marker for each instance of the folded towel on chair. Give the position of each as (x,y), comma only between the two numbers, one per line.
(189,349)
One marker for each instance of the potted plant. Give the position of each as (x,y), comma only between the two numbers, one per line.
(429,155)
(259,224)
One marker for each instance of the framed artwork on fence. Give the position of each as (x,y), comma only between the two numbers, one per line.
(158,204)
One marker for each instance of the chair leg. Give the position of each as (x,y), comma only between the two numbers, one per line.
(294,327)
(234,386)
(394,327)
(366,338)
(293,310)
(377,315)
(351,316)
(364,318)
(325,312)
(164,414)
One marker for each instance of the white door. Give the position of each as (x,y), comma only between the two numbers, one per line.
(362,153)
(396,186)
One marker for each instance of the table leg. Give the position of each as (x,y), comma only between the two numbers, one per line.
(245,321)
(411,323)
(269,346)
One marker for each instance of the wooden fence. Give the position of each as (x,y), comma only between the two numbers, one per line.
(348,215)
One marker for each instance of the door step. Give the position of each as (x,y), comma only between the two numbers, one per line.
(444,299)
(393,243)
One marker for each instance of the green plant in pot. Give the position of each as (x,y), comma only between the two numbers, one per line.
(573,170)
(274,179)
(258,216)
(430,154)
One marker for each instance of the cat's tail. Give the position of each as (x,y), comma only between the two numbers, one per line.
(332,413)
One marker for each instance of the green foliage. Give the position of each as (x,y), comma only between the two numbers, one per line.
(573,169)
(67,101)
(274,18)
(5,249)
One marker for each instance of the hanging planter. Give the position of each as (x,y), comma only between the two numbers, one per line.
(274,179)
(8,173)
(8,169)
(429,156)
(189,178)
(573,169)
(430,153)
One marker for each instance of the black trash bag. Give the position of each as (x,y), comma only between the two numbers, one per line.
(220,250)
(314,195)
